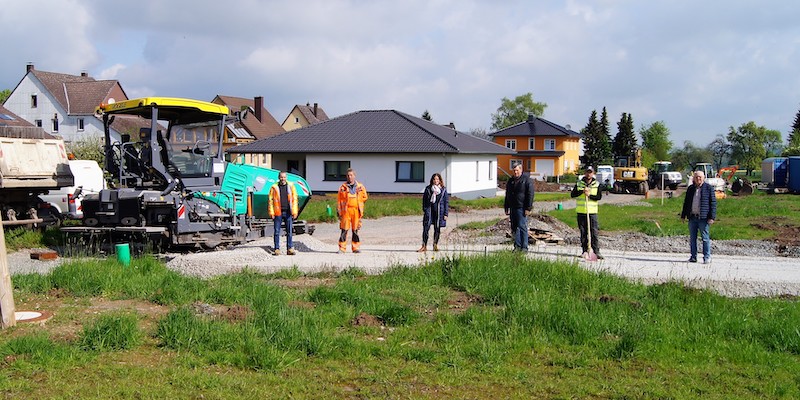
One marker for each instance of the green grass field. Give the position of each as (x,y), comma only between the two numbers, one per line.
(482,328)
(758,216)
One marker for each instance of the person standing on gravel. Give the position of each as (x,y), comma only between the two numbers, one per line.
(435,206)
(700,206)
(518,204)
(587,193)
(282,209)
(352,196)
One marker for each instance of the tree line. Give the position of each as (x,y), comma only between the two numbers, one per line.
(746,145)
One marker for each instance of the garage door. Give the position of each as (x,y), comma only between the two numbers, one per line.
(545,167)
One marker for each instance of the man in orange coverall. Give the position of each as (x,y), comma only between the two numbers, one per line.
(352,196)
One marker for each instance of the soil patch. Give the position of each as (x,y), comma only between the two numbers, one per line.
(365,319)
(304,282)
(460,301)
(785,234)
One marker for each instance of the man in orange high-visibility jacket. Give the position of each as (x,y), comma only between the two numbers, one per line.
(283,209)
(352,196)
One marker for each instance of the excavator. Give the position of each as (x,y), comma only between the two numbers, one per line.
(724,179)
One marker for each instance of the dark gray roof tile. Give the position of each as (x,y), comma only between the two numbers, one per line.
(373,131)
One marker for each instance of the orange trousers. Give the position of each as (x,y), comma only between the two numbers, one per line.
(351,220)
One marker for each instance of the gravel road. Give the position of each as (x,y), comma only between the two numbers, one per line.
(739,268)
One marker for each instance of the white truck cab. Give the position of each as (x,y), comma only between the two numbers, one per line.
(67,200)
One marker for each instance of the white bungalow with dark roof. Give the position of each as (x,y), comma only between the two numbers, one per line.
(391,152)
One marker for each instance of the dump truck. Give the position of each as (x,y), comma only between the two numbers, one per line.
(32,162)
(170,186)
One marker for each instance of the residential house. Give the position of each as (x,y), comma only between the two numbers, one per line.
(304,115)
(391,152)
(256,123)
(8,118)
(63,104)
(542,147)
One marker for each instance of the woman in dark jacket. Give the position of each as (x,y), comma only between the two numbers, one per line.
(435,206)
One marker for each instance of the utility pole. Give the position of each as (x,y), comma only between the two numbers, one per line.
(7,308)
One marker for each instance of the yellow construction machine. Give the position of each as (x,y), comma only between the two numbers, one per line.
(630,176)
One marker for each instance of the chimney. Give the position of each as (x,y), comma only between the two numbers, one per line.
(259,106)
(531,117)
(84,74)
(315,109)
(29,67)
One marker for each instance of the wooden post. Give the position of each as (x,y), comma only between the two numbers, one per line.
(7,308)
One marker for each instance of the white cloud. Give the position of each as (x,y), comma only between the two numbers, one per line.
(699,67)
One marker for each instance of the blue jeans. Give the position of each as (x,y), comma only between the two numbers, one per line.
(286,217)
(697,224)
(519,228)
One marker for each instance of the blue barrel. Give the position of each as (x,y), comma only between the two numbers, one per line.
(793,181)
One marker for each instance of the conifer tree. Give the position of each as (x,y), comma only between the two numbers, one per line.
(592,142)
(625,142)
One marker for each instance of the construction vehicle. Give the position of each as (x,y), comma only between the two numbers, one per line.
(738,186)
(630,176)
(605,175)
(32,162)
(171,187)
(662,176)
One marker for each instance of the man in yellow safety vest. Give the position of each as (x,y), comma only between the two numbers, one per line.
(587,193)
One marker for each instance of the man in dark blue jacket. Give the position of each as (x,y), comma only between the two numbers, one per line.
(700,206)
(518,204)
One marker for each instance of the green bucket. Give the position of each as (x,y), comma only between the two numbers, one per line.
(124,253)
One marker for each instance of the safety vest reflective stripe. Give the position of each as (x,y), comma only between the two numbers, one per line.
(580,201)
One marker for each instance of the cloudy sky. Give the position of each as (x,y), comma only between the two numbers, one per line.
(699,66)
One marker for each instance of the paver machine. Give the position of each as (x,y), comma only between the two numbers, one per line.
(171,187)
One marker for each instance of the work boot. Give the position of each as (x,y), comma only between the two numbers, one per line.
(422,249)
(290,252)
(435,247)
(599,256)
(692,259)
(276,252)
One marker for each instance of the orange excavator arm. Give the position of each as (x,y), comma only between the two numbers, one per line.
(730,171)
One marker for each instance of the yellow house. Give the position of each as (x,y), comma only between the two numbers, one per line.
(542,147)
(302,116)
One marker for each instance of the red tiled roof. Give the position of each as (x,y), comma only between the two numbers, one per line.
(76,94)
(265,128)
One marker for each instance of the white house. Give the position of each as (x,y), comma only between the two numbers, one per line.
(63,104)
(391,152)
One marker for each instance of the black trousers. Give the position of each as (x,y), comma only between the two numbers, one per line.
(426,225)
(584,233)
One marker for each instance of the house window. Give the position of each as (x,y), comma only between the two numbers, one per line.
(34,101)
(511,144)
(55,125)
(410,171)
(550,144)
(38,123)
(296,120)
(532,144)
(529,165)
(491,168)
(80,124)
(477,171)
(336,170)
(514,162)
(264,159)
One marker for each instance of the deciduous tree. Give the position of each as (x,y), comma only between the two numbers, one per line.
(512,112)
(749,144)
(4,95)
(655,140)
(720,149)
